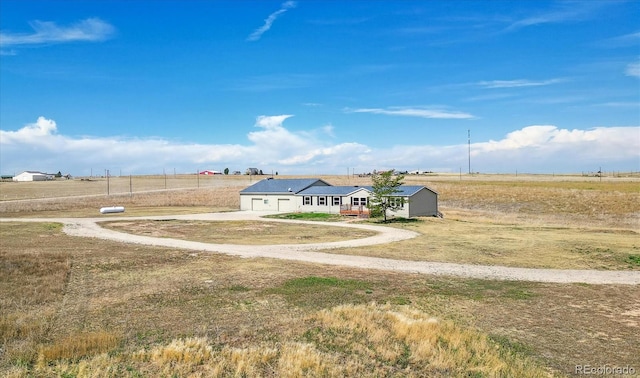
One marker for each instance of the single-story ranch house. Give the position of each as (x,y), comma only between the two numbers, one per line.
(316,195)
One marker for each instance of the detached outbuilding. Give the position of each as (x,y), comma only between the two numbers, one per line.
(315,195)
(33,176)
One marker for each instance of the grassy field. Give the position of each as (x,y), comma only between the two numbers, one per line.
(83,307)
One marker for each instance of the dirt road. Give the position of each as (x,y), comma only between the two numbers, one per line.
(89,227)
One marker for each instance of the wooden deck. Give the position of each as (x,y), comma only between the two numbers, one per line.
(359,211)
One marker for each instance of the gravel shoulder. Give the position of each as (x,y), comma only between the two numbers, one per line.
(89,227)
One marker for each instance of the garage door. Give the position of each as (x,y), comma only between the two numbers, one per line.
(256,204)
(284,205)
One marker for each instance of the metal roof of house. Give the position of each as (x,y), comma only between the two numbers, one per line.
(409,190)
(331,190)
(405,190)
(315,187)
(273,186)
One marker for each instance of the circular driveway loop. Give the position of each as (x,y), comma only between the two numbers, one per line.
(88,227)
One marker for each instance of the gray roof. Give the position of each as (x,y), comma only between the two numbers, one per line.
(405,190)
(317,187)
(273,186)
(331,190)
(409,190)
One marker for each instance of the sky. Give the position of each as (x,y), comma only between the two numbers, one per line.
(319,87)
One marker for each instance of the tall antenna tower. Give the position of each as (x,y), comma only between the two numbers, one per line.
(469,144)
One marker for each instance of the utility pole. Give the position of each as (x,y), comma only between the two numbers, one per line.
(469,143)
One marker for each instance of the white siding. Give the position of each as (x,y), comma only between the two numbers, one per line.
(404,211)
(268,202)
(31,176)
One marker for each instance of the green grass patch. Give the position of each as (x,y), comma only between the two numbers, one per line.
(324,217)
(508,346)
(633,260)
(482,289)
(238,288)
(397,220)
(320,292)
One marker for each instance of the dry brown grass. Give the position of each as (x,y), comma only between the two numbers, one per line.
(163,311)
(116,186)
(459,239)
(77,346)
(156,299)
(379,340)
(239,232)
(158,203)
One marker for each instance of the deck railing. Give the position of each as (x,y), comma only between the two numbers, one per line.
(359,210)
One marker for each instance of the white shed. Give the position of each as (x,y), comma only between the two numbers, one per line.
(32,176)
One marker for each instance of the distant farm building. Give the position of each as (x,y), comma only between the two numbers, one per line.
(316,195)
(210,173)
(33,176)
(252,171)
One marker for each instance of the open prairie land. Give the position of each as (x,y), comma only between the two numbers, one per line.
(73,306)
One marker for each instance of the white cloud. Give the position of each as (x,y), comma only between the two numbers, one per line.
(555,149)
(88,30)
(30,134)
(538,148)
(268,22)
(414,112)
(517,83)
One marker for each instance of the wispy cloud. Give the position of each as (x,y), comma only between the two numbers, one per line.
(630,39)
(564,11)
(268,22)
(537,148)
(633,69)
(45,32)
(413,112)
(518,83)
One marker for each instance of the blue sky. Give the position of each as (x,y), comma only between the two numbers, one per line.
(319,87)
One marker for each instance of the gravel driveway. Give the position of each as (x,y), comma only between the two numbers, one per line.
(88,227)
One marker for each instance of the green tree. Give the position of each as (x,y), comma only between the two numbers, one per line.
(385,185)
(226,171)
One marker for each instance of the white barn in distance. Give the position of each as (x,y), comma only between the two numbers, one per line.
(318,196)
(32,176)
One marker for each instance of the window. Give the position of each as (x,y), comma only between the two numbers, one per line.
(396,202)
(307,200)
(266,201)
(336,201)
(359,201)
(322,201)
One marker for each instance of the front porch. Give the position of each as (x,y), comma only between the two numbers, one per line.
(355,210)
